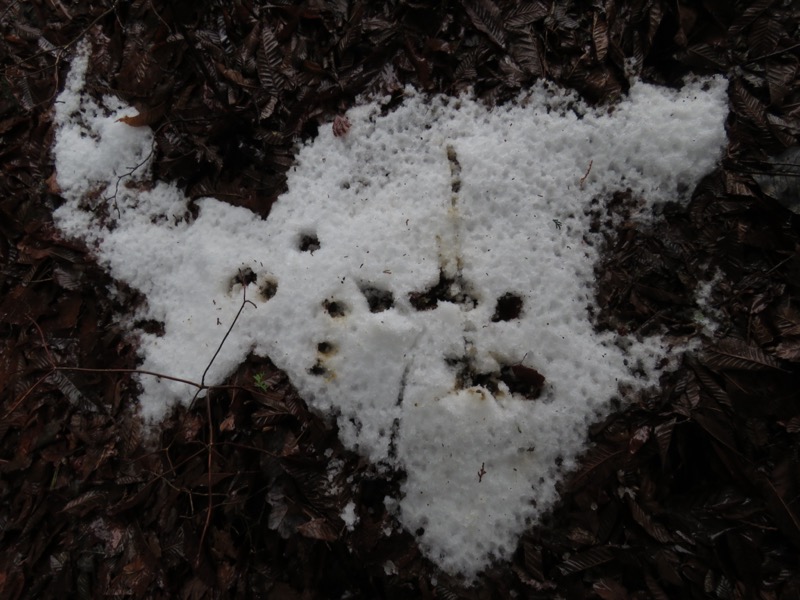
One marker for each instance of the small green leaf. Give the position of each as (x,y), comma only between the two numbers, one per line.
(260,381)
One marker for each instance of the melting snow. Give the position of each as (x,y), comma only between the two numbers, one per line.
(417,269)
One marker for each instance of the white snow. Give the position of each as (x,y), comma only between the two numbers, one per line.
(708,316)
(493,199)
(349,516)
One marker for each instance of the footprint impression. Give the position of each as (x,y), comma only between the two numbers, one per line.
(425,281)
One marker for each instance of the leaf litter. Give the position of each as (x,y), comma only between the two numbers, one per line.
(729,501)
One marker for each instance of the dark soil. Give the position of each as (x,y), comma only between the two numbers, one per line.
(691,492)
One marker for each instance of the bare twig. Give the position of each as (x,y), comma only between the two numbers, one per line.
(128,174)
(202,386)
(771,54)
(586,175)
(62,49)
(245,302)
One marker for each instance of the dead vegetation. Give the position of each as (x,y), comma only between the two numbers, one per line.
(690,493)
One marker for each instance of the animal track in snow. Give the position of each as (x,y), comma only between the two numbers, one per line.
(411,282)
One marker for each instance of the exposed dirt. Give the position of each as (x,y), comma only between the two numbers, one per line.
(691,492)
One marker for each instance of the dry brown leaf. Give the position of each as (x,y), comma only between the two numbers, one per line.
(487,18)
(655,530)
(780,75)
(527,54)
(86,502)
(318,529)
(732,353)
(789,349)
(750,14)
(765,35)
(608,589)
(595,460)
(709,56)
(52,184)
(600,36)
(581,561)
(146,116)
(525,13)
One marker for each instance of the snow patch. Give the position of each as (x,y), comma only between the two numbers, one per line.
(426,278)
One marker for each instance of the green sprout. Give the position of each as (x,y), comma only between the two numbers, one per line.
(260,381)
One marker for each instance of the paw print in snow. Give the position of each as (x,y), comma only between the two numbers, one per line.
(412,283)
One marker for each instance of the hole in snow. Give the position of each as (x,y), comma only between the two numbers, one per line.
(517,379)
(335,308)
(447,289)
(522,380)
(326,348)
(509,306)
(308,242)
(318,369)
(379,300)
(268,289)
(243,277)
(151,326)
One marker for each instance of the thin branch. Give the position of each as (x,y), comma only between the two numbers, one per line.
(245,302)
(128,174)
(74,40)
(586,175)
(54,367)
(61,52)
(210,508)
(771,54)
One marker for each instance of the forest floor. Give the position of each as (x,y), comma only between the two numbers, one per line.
(692,492)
